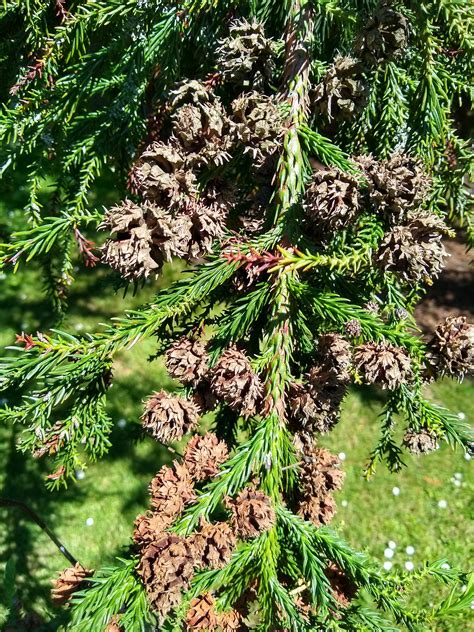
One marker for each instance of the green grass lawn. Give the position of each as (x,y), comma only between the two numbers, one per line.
(94,517)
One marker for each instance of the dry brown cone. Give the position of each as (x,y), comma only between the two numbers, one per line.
(186,361)
(150,526)
(343,588)
(252,512)
(320,476)
(383,364)
(421,441)
(335,354)
(171,489)
(414,252)
(315,408)
(202,614)
(233,380)
(168,417)
(166,568)
(204,456)
(341,93)
(452,347)
(113,625)
(213,545)
(229,621)
(68,582)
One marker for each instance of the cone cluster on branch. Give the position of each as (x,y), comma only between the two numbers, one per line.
(342,92)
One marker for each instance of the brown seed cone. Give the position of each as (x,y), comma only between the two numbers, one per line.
(383,364)
(421,441)
(204,456)
(319,511)
(344,590)
(208,217)
(162,177)
(150,526)
(415,252)
(166,568)
(146,236)
(246,56)
(452,347)
(396,186)
(233,380)
(252,512)
(229,621)
(320,476)
(113,625)
(335,354)
(68,582)
(315,408)
(332,200)
(171,489)
(186,361)
(341,93)
(258,124)
(202,614)
(213,545)
(384,36)
(168,417)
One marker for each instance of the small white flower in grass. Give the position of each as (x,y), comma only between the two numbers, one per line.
(458,476)
(442,504)
(90,522)
(392,544)
(396,491)
(80,474)
(387,565)
(461,416)
(388,553)
(467,456)
(409,566)
(342,456)
(410,550)
(446,566)
(457,483)
(344,503)
(79,326)
(463,588)
(121,423)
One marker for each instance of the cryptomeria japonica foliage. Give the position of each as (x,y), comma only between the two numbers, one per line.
(304,158)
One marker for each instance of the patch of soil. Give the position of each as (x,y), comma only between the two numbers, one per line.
(452,294)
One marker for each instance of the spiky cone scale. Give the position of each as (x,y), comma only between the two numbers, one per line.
(202,614)
(384,37)
(258,125)
(187,361)
(395,186)
(229,620)
(245,57)
(233,380)
(113,625)
(213,544)
(421,441)
(166,568)
(252,512)
(204,455)
(451,349)
(150,526)
(341,93)
(169,417)
(171,489)
(332,201)
(383,364)
(208,225)
(414,252)
(68,582)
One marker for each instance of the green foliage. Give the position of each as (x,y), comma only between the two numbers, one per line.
(91,100)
